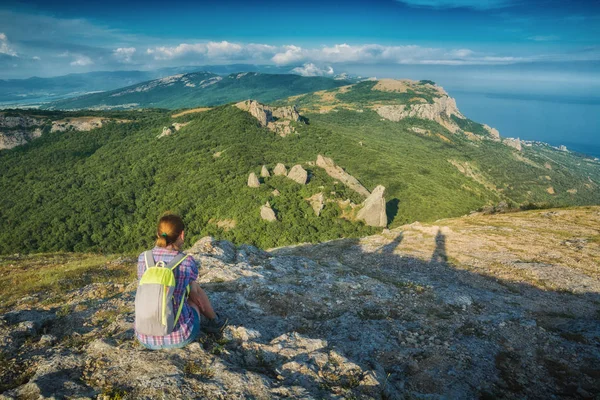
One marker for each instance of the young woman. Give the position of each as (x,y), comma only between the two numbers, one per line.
(170,236)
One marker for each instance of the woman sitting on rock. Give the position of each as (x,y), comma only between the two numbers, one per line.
(171,303)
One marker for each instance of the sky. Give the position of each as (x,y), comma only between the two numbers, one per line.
(50,38)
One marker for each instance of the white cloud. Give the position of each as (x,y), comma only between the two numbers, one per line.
(36,58)
(5,47)
(310,69)
(124,54)
(474,4)
(81,61)
(289,55)
(293,55)
(543,38)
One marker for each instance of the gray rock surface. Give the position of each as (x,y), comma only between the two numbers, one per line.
(298,174)
(382,317)
(373,208)
(267,213)
(280,170)
(253,180)
(338,173)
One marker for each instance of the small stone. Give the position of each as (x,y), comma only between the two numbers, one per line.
(47,340)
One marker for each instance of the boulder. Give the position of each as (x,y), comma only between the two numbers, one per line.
(264,172)
(316,202)
(280,170)
(338,173)
(275,193)
(298,174)
(208,246)
(267,213)
(253,180)
(373,208)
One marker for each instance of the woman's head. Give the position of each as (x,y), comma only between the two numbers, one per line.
(170,231)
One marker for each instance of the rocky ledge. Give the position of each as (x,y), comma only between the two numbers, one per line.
(500,306)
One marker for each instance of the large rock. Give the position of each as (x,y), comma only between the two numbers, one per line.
(298,174)
(440,111)
(373,208)
(338,173)
(277,119)
(280,170)
(267,213)
(253,180)
(316,202)
(222,250)
(264,172)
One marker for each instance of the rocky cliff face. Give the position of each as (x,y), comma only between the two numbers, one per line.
(277,119)
(441,111)
(478,307)
(18,130)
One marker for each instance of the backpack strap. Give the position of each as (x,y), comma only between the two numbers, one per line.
(176,261)
(149,258)
(173,265)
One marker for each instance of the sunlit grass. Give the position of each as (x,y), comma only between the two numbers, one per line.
(50,275)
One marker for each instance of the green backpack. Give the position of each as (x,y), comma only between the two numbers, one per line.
(154,301)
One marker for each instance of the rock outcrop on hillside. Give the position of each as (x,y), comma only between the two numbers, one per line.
(253,180)
(338,173)
(494,134)
(441,111)
(317,201)
(19,130)
(373,208)
(280,170)
(267,213)
(264,172)
(514,143)
(276,119)
(513,315)
(168,131)
(298,174)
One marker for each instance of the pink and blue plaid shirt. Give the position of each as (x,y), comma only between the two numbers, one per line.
(188,272)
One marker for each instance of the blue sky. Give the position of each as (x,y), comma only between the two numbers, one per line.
(49,38)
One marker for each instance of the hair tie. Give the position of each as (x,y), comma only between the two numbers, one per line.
(164,234)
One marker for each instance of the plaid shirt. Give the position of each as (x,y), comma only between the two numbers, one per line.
(188,272)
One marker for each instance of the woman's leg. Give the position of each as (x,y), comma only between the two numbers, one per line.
(199,299)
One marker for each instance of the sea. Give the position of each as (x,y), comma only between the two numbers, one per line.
(574,123)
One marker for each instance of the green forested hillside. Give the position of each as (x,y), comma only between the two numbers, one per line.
(200,89)
(104,189)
